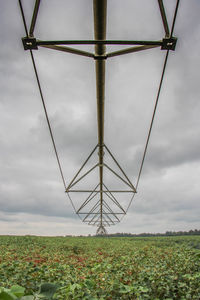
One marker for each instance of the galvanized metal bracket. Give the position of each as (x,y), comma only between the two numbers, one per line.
(29,43)
(169,43)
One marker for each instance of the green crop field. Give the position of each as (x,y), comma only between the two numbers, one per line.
(99,268)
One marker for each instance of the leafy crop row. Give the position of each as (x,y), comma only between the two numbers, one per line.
(102,268)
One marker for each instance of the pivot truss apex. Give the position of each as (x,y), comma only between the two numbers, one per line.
(101,231)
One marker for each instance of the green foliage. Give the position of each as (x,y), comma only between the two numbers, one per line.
(15,292)
(99,268)
(46,292)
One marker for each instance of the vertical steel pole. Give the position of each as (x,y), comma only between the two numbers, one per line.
(100,8)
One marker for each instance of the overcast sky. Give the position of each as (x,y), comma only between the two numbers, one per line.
(32,197)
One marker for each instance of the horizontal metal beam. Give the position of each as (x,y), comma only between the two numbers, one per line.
(168,43)
(98,222)
(86,213)
(98,42)
(104,191)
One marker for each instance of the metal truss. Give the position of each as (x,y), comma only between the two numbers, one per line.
(100,205)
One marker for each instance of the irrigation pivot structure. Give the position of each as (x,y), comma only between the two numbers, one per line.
(101,206)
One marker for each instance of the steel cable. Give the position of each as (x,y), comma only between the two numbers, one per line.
(150,129)
(45,110)
(42,98)
(155,108)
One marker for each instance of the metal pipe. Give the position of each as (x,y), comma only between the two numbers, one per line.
(34,17)
(90,170)
(69,50)
(121,169)
(105,191)
(97,213)
(164,18)
(100,9)
(88,199)
(130,50)
(69,186)
(99,42)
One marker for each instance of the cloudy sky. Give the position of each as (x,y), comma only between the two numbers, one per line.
(32,197)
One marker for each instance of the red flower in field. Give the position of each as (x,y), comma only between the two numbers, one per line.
(28,259)
(130,272)
(37,261)
(80,259)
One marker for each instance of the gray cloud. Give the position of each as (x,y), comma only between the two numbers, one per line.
(30,183)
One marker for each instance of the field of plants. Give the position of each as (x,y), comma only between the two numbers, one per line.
(99,268)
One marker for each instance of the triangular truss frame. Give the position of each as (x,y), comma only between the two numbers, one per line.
(93,215)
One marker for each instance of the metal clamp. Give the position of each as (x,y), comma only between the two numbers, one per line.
(100,57)
(29,43)
(169,43)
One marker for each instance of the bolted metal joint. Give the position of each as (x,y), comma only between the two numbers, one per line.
(100,57)
(169,43)
(29,43)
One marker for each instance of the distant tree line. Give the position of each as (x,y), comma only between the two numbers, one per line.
(167,233)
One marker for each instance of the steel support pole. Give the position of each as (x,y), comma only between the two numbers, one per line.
(100,8)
